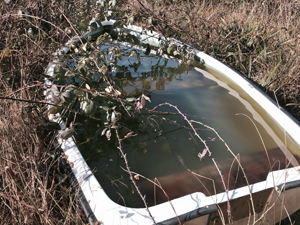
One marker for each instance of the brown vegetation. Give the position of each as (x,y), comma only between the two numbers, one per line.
(260,39)
(34,188)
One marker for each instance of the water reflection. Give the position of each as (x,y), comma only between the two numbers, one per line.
(165,147)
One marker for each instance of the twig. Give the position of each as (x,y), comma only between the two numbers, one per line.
(109,84)
(30,101)
(10,173)
(157,184)
(45,103)
(131,176)
(204,152)
(36,17)
(24,56)
(12,9)
(60,207)
(184,117)
(237,173)
(262,141)
(94,93)
(244,173)
(70,24)
(223,182)
(20,202)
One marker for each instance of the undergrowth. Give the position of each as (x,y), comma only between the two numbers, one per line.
(257,38)
(34,187)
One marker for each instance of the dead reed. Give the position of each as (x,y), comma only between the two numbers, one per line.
(260,39)
(34,188)
(257,38)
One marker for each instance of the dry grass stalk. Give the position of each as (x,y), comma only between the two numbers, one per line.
(257,38)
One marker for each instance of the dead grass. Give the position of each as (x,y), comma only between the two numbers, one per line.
(34,188)
(35,178)
(260,39)
(257,38)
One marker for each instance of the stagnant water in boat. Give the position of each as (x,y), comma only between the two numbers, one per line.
(167,152)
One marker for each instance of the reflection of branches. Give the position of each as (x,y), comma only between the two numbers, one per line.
(154,123)
(156,184)
(223,182)
(108,82)
(250,194)
(263,143)
(160,133)
(160,85)
(237,174)
(131,176)
(196,175)
(206,150)
(155,137)
(184,117)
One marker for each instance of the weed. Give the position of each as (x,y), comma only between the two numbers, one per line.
(257,38)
